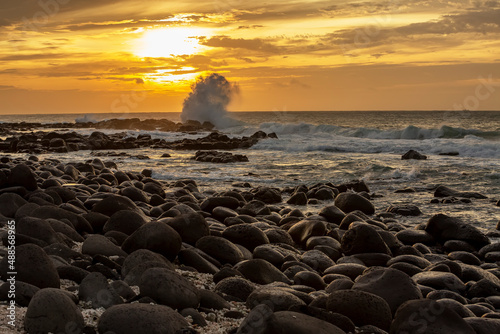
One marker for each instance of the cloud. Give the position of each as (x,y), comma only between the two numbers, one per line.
(255,44)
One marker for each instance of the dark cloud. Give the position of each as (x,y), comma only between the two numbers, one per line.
(139,81)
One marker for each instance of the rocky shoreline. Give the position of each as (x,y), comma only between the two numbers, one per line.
(104,250)
(41,142)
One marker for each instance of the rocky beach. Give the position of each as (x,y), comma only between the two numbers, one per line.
(105,249)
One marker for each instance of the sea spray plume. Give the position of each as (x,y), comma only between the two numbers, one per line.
(208,101)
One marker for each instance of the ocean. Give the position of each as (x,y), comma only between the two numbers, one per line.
(338,147)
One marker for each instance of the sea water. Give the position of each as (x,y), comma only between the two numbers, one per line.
(338,147)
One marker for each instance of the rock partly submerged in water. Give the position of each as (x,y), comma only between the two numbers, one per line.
(413,155)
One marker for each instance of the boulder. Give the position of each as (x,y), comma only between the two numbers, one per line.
(428,316)
(190,226)
(53,311)
(141,318)
(22,175)
(361,307)
(221,249)
(246,235)
(348,202)
(169,288)
(443,228)
(157,237)
(363,239)
(97,244)
(260,271)
(412,154)
(33,266)
(394,286)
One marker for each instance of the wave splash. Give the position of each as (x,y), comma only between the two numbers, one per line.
(410,133)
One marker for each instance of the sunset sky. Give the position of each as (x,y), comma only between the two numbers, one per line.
(81,56)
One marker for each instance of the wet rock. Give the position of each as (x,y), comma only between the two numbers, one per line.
(298,198)
(404,210)
(332,214)
(226,201)
(444,191)
(412,154)
(410,237)
(219,157)
(268,195)
(141,318)
(444,228)
(348,202)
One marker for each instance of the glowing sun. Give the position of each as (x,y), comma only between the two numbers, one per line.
(168,42)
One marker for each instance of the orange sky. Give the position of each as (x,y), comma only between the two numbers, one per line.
(80,56)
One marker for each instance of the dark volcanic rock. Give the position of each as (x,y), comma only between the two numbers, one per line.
(52,310)
(157,237)
(412,154)
(169,288)
(405,210)
(444,228)
(115,203)
(190,226)
(361,307)
(261,271)
(348,202)
(221,249)
(246,235)
(141,318)
(278,298)
(428,316)
(219,157)
(33,266)
(24,292)
(124,221)
(97,244)
(443,191)
(305,229)
(95,288)
(394,286)
(363,239)
(10,203)
(22,175)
